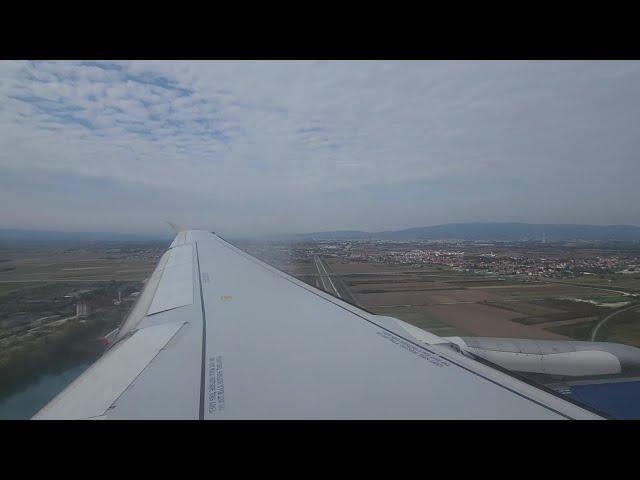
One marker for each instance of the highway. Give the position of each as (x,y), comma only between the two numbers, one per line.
(594,287)
(328,286)
(607,318)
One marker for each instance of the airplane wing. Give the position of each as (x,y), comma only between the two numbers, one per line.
(218,334)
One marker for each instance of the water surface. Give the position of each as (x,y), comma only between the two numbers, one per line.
(25,404)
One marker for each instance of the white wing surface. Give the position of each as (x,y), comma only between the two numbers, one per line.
(218,334)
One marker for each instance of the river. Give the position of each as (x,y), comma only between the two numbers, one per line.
(23,405)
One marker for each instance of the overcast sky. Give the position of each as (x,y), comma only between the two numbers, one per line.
(249,148)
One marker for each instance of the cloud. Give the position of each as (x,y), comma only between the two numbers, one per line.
(258,147)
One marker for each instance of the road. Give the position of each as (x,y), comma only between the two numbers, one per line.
(594,287)
(325,278)
(607,318)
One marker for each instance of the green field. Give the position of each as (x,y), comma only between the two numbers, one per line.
(580,331)
(623,328)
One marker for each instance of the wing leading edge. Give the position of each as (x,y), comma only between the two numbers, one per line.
(218,334)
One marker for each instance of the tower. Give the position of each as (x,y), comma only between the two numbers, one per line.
(82,309)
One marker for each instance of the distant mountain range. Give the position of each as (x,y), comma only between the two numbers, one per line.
(476,231)
(488,232)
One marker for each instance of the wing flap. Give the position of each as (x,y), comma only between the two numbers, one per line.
(91,394)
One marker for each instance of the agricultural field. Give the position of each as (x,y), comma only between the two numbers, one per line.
(99,263)
(625,329)
(453,303)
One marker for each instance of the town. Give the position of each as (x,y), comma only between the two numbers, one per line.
(546,261)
